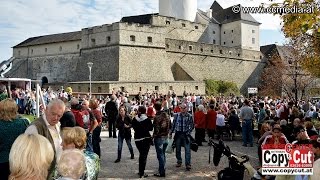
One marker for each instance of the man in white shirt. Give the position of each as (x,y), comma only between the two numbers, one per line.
(48,125)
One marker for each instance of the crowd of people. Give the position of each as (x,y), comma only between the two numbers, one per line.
(67,134)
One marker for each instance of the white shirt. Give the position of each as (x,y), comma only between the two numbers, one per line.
(54,132)
(220,120)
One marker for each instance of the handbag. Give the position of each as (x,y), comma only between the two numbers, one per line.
(169,148)
(193,145)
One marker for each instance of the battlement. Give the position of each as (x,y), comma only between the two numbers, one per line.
(158,20)
(197,48)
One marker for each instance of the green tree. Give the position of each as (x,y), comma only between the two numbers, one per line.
(214,87)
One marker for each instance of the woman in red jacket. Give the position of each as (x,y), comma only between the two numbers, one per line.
(211,121)
(200,124)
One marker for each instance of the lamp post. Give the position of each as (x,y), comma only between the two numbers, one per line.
(90,64)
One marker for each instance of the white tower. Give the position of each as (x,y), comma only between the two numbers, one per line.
(181,9)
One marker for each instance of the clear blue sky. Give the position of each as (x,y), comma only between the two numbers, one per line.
(21,19)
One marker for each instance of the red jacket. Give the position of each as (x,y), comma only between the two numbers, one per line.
(78,116)
(200,120)
(211,119)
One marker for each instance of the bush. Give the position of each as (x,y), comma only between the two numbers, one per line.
(214,87)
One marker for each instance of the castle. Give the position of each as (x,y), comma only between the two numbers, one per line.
(175,49)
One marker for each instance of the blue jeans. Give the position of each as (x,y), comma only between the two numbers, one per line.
(247,132)
(181,139)
(120,144)
(161,146)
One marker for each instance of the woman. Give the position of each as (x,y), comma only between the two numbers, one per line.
(93,105)
(142,126)
(71,164)
(200,125)
(30,157)
(76,138)
(11,126)
(264,128)
(123,124)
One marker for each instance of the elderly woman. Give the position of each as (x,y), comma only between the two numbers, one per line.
(71,164)
(76,138)
(30,157)
(200,125)
(11,126)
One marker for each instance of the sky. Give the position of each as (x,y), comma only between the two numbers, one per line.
(22,19)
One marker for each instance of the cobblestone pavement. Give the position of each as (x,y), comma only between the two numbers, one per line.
(128,168)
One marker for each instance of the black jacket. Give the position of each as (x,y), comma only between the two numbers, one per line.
(111,110)
(124,132)
(142,126)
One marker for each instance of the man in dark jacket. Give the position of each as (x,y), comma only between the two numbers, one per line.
(112,113)
(161,124)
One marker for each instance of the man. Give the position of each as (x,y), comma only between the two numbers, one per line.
(284,111)
(182,127)
(247,116)
(48,126)
(161,125)
(112,113)
(262,115)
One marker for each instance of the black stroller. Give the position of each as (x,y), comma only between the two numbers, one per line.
(237,165)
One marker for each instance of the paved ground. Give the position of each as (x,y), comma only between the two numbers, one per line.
(128,168)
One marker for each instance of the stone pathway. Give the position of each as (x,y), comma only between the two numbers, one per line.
(128,168)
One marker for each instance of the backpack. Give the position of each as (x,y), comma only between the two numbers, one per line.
(78,115)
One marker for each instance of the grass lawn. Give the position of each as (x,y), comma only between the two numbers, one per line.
(30,117)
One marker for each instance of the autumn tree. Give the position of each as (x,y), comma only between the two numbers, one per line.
(303,31)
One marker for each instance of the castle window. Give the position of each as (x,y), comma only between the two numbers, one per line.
(196,27)
(108,39)
(140,88)
(149,39)
(170,88)
(260,57)
(180,47)
(232,42)
(190,47)
(45,49)
(19,52)
(239,54)
(183,25)
(88,89)
(253,31)
(214,41)
(122,89)
(224,32)
(167,46)
(93,42)
(221,51)
(231,31)
(78,46)
(213,32)
(168,22)
(201,49)
(156,88)
(99,89)
(196,87)
(211,50)
(79,88)
(60,48)
(31,51)
(224,43)
(253,40)
(132,38)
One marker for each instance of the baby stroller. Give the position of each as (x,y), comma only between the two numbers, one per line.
(237,165)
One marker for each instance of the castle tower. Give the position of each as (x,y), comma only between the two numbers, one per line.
(181,9)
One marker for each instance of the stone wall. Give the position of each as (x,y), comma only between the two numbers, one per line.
(106,87)
(48,49)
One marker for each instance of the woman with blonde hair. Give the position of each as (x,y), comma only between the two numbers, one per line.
(30,157)
(76,138)
(11,126)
